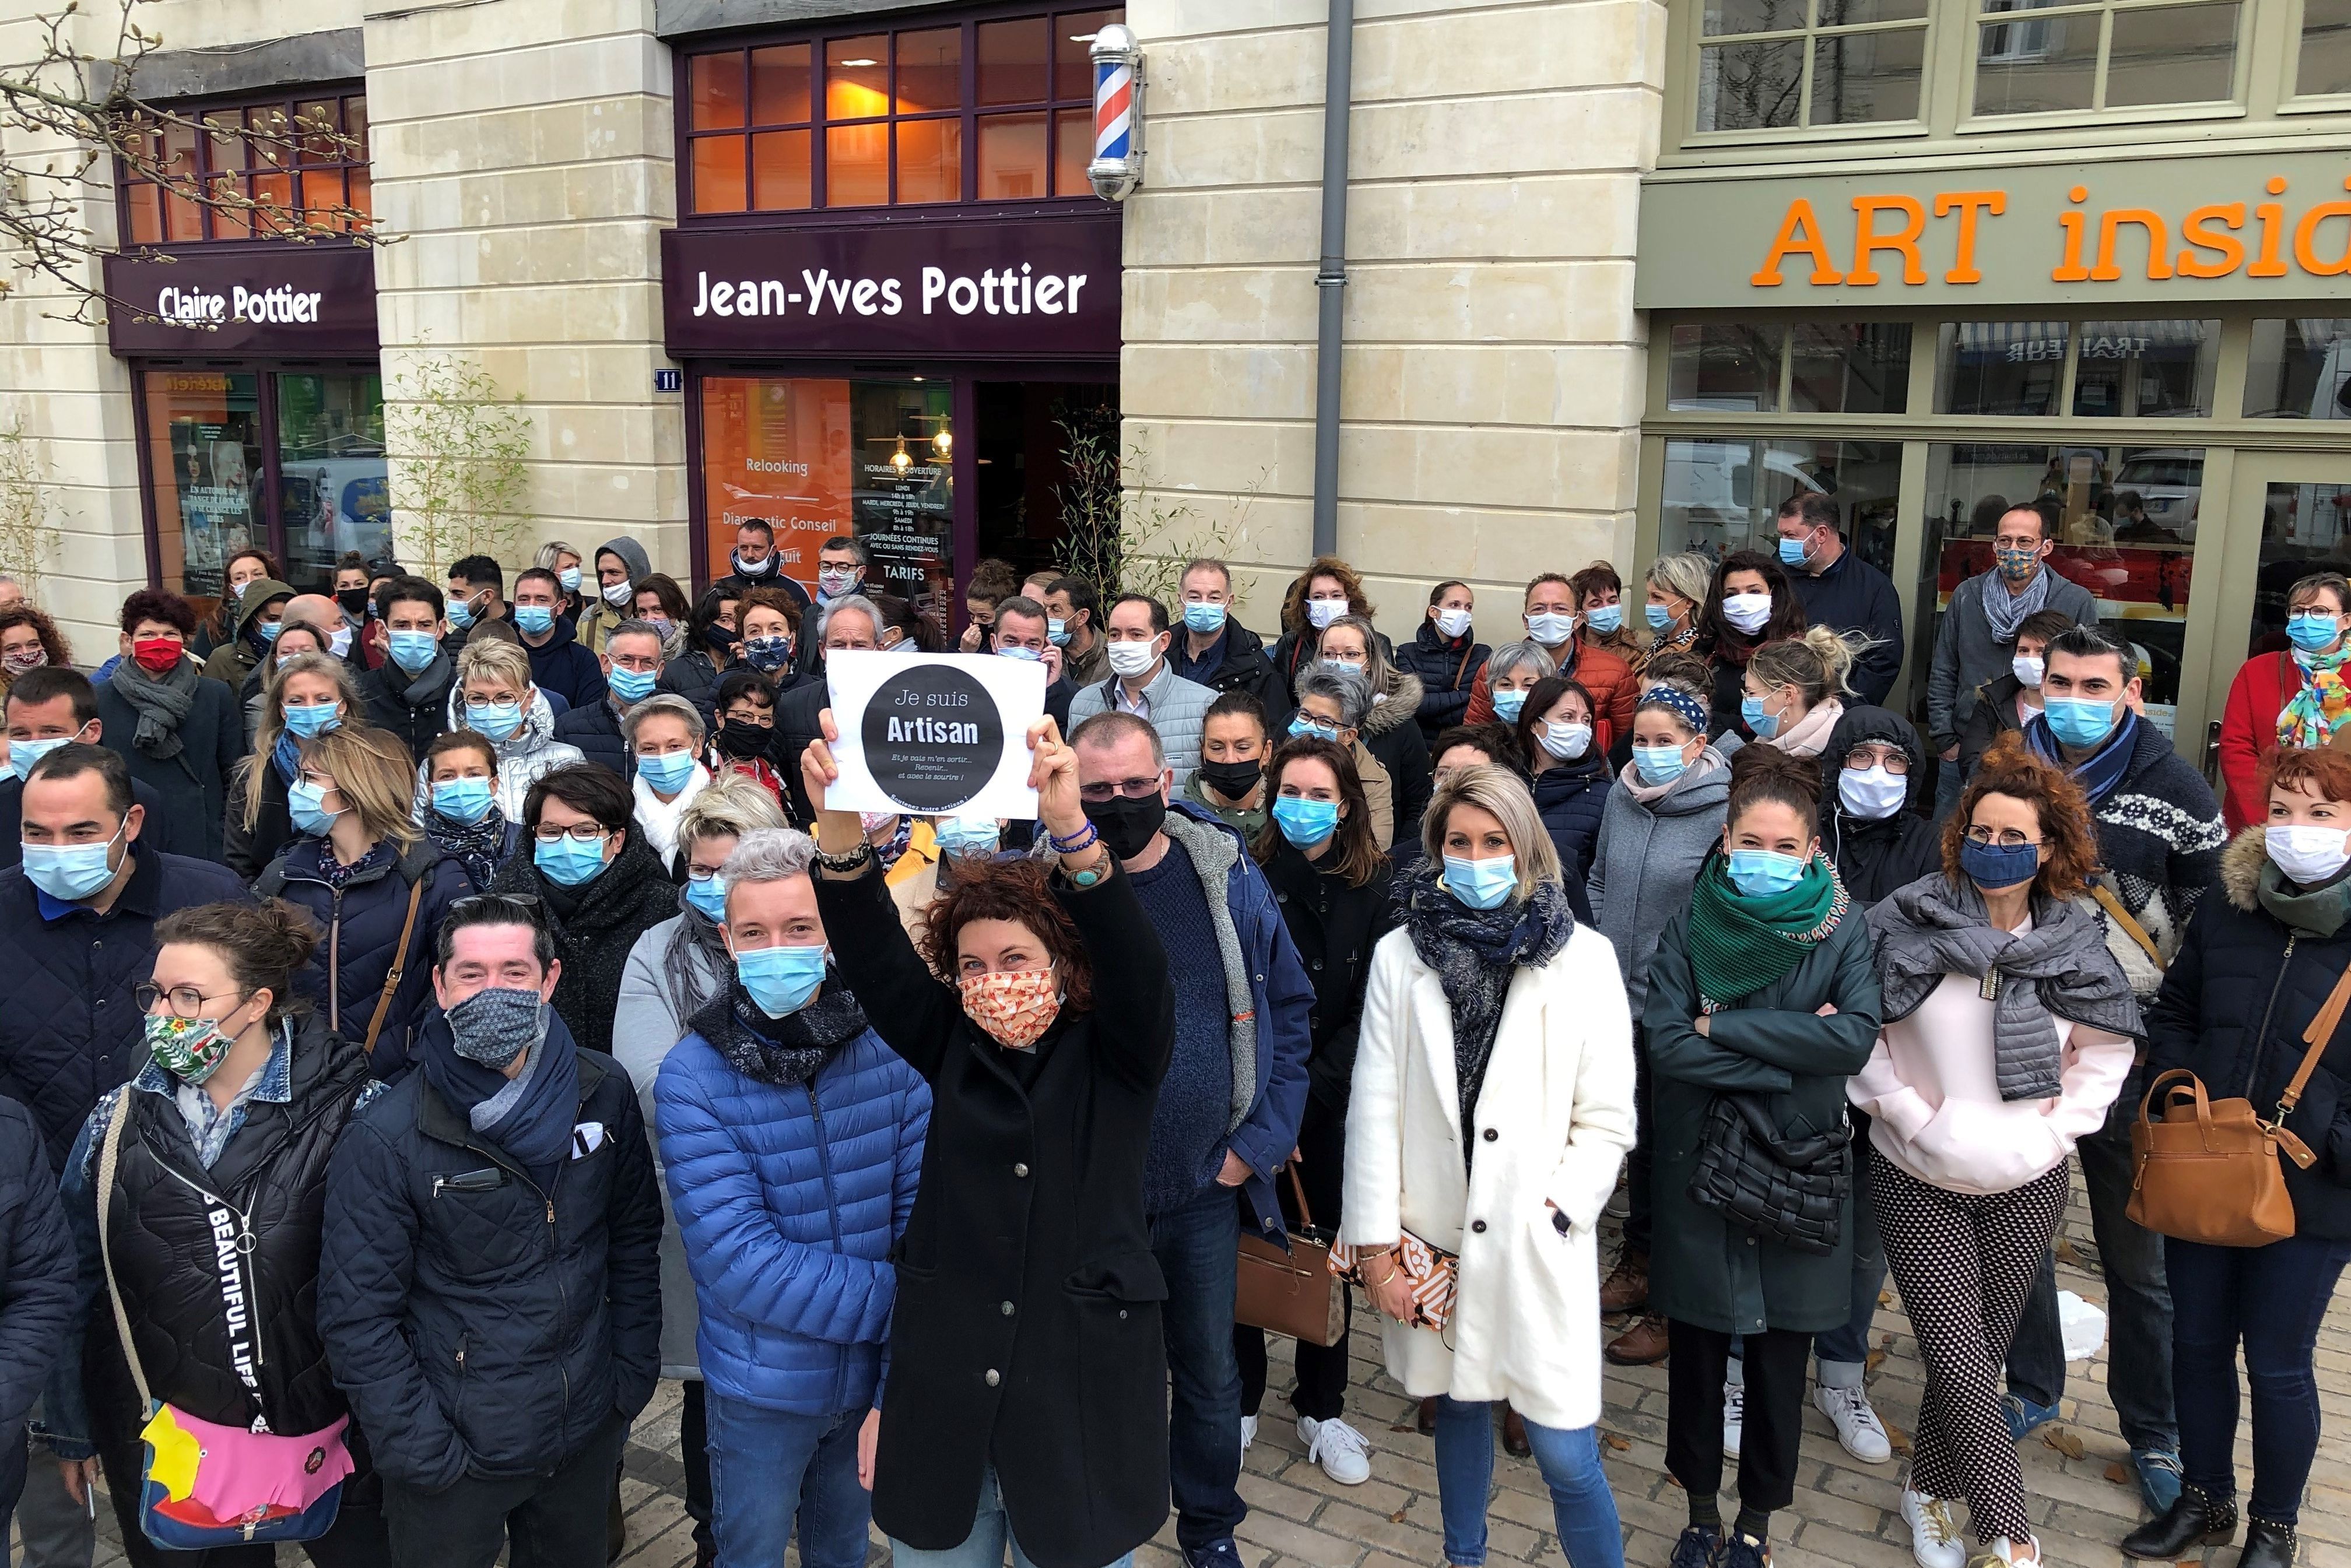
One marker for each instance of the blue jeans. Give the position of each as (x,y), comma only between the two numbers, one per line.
(767,1467)
(2272,1298)
(2138,1303)
(1581,1505)
(1197,1245)
(991,1533)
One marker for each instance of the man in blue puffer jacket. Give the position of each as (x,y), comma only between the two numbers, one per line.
(793,1139)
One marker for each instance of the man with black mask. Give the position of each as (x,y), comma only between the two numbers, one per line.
(1229,1105)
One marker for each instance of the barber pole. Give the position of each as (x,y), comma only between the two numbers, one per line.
(1117,166)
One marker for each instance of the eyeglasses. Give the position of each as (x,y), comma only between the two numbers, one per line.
(1131,789)
(585,831)
(1893,759)
(2007,839)
(186,1001)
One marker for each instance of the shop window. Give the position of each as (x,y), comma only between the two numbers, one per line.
(2125,523)
(2033,58)
(1778,64)
(332,492)
(2305,528)
(2147,369)
(992,111)
(301,161)
(1724,495)
(2299,368)
(204,435)
(2001,366)
(2324,65)
(1824,368)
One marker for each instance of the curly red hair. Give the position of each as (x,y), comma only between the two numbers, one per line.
(2322,771)
(1013,890)
(2010,769)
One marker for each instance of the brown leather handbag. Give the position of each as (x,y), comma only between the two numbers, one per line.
(2208,1171)
(1292,1293)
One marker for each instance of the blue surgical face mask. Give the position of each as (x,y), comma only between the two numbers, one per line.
(413,650)
(1551,628)
(1303,725)
(1305,823)
(966,834)
(463,800)
(2079,723)
(1604,618)
(269,629)
(1992,866)
(1659,616)
(1765,725)
(569,578)
(22,755)
(1792,552)
(566,861)
(311,720)
(781,980)
(1203,617)
(533,619)
(461,614)
(1019,650)
(2312,632)
(1508,704)
(1057,632)
(305,805)
(71,872)
(1765,873)
(709,895)
(1481,884)
(667,773)
(1659,764)
(632,686)
(498,720)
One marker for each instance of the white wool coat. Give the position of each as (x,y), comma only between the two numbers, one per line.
(1554,1121)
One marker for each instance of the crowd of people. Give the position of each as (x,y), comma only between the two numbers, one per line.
(451,1007)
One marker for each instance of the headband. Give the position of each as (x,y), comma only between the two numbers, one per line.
(1680,703)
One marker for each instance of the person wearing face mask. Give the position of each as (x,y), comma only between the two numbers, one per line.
(563,559)
(1035,1098)
(1215,649)
(1445,654)
(1662,818)
(2006,704)
(29,640)
(844,569)
(2009,1031)
(851,624)
(1387,733)
(1492,1103)
(1024,631)
(307,695)
(755,565)
(1570,778)
(1763,989)
(1793,690)
(181,733)
(791,1131)
(1332,703)
(665,739)
(49,708)
(1674,590)
(495,699)
(231,1122)
(259,613)
(619,565)
(1749,604)
(496,1429)
(1602,619)
(1144,682)
(1230,780)
(2297,695)
(295,638)
(1551,628)
(458,806)
(407,694)
(712,640)
(633,671)
(1511,675)
(355,605)
(1073,615)
(1875,831)
(477,587)
(1841,591)
(2269,947)
(744,730)
(1327,589)
(560,664)
(220,626)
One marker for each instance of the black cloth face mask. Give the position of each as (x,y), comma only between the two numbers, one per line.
(1128,827)
(1233,780)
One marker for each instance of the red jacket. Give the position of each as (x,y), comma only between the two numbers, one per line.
(1599,671)
(2248,734)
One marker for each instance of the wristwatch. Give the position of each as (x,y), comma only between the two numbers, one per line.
(844,864)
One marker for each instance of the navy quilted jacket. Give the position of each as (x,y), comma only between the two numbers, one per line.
(596,731)
(36,1268)
(790,1200)
(70,1031)
(1571,797)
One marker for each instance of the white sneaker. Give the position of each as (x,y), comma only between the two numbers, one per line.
(2012,1553)
(1935,1539)
(1734,1418)
(1342,1451)
(1857,1426)
(1249,1432)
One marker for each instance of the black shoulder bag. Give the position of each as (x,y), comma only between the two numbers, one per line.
(1790,1191)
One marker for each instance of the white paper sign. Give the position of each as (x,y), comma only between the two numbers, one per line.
(933,734)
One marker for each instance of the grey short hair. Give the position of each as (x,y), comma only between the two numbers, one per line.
(1206,563)
(731,805)
(1348,687)
(857,604)
(854,545)
(1506,659)
(770,855)
(636,628)
(662,702)
(1686,575)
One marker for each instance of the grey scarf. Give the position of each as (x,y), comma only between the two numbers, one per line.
(695,964)
(161,704)
(424,687)
(2005,611)
(2059,969)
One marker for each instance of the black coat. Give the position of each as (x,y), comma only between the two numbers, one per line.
(1993,715)
(70,1031)
(693,675)
(250,850)
(11,814)
(1240,666)
(1031,1195)
(418,725)
(1854,595)
(194,784)
(596,731)
(37,1267)
(1448,668)
(1874,856)
(358,939)
(1571,797)
(795,726)
(595,926)
(482,1326)
(565,667)
(1398,745)
(2234,1002)
(1334,926)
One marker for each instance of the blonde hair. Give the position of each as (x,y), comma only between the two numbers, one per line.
(1687,575)
(495,660)
(731,804)
(1816,663)
(250,772)
(373,772)
(1505,796)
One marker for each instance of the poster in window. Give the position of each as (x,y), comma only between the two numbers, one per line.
(776,449)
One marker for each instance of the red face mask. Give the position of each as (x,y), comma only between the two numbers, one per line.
(157,655)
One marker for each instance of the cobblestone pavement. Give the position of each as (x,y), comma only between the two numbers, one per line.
(1845,1512)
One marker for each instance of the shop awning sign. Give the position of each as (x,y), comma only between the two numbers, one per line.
(271,299)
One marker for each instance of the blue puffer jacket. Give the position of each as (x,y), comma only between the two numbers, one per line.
(790,1200)
(1571,797)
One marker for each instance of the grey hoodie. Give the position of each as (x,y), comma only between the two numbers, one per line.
(597,618)
(1646,862)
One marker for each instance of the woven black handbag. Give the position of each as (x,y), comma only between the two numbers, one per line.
(1790,1191)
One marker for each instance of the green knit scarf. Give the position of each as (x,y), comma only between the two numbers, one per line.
(1739,945)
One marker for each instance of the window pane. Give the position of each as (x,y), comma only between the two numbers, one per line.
(146,204)
(1011,157)
(273,194)
(930,70)
(1722,496)
(1073,148)
(930,160)
(1722,16)
(2182,53)
(776,449)
(780,85)
(1724,366)
(362,199)
(224,147)
(857,166)
(2299,370)
(1849,368)
(331,468)
(1748,87)
(355,127)
(1013,57)
(314,119)
(1073,67)
(1860,78)
(2132,370)
(323,192)
(230,222)
(717,173)
(2304,529)
(857,78)
(2033,67)
(905,506)
(203,436)
(1999,366)
(715,85)
(2325,65)
(1852,13)
(779,170)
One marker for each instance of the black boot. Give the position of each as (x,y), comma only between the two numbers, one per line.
(2267,1545)
(2194,1521)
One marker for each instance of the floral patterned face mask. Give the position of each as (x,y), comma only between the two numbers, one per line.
(1015,1006)
(189,1049)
